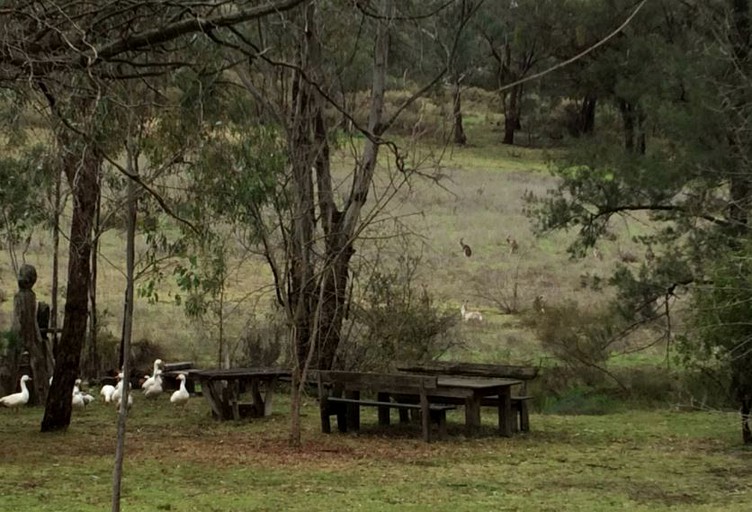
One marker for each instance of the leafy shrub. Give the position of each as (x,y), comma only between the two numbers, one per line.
(580,339)
(395,322)
(264,341)
(580,400)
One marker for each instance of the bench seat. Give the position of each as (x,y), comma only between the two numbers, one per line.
(337,406)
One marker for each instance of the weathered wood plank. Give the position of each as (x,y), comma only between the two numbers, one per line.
(390,405)
(378,381)
(472,369)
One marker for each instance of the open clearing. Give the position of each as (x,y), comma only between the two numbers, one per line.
(641,460)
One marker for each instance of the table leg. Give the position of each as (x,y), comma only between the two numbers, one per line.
(353,411)
(383,411)
(267,400)
(472,413)
(505,411)
(212,396)
(233,392)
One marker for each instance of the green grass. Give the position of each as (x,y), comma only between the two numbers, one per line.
(640,460)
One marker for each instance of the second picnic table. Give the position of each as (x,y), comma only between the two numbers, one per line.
(468,391)
(222,389)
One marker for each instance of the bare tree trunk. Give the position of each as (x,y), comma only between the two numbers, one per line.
(342,228)
(92,354)
(301,291)
(746,410)
(512,114)
(117,474)
(459,131)
(55,261)
(633,121)
(82,171)
(586,119)
(740,184)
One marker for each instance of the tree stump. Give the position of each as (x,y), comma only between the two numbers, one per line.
(27,330)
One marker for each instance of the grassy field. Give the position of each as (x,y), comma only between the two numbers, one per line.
(185,461)
(478,198)
(627,459)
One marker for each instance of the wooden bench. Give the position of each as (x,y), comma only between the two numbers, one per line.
(519,400)
(347,409)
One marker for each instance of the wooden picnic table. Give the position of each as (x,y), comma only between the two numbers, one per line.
(222,389)
(468,391)
(522,374)
(472,391)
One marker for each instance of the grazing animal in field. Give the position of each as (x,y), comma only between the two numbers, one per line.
(626,256)
(597,254)
(513,245)
(649,254)
(539,304)
(16,400)
(466,248)
(468,316)
(181,396)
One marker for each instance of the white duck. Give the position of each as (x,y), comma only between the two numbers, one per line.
(181,396)
(151,380)
(77,401)
(16,400)
(155,389)
(106,392)
(130,401)
(119,388)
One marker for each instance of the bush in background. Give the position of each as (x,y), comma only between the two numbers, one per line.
(264,341)
(395,322)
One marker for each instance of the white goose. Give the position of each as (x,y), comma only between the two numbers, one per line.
(77,401)
(155,389)
(119,388)
(16,400)
(106,392)
(151,380)
(181,396)
(120,400)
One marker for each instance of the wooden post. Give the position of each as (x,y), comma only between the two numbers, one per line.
(472,414)
(25,325)
(505,411)
(267,399)
(353,411)
(425,414)
(383,411)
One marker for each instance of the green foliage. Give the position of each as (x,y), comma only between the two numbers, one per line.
(265,340)
(580,400)
(396,322)
(9,341)
(579,338)
(722,335)
(202,280)
(26,179)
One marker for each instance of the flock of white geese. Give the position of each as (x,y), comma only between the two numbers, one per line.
(151,388)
